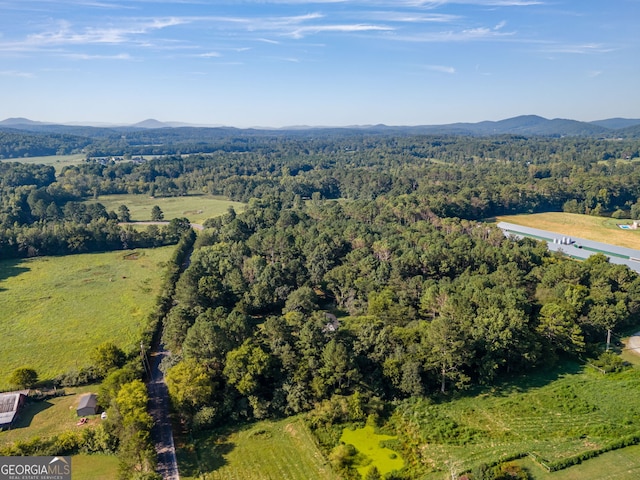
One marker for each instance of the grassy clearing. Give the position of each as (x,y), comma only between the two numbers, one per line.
(94,467)
(57,161)
(55,310)
(623,464)
(599,229)
(49,417)
(368,443)
(197,208)
(260,451)
(556,419)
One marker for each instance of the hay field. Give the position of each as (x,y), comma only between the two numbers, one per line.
(55,310)
(57,161)
(197,207)
(263,450)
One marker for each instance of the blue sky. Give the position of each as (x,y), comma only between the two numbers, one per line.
(332,62)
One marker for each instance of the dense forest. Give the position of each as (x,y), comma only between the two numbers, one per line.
(469,178)
(360,272)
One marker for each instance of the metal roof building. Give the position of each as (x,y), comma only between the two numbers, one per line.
(88,405)
(576,247)
(10,404)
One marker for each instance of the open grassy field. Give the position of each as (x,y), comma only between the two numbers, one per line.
(260,451)
(623,464)
(57,161)
(55,310)
(197,207)
(49,417)
(94,467)
(599,229)
(554,418)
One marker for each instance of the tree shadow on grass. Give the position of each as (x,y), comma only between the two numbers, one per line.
(28,412)
(522,382)
(11,268)
(206,454)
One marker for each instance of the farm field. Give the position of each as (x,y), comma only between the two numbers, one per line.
(260,451)
(623,464)
(552,418)
(197,207)
(57,161)
(49,417)
(55,310)
(599,229)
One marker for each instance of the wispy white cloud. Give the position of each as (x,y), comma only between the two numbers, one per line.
(412,17)
(441,69)
(14,73)
(66,34)
(581,49)
(346,28)
(84,56)
(268,40)
(209,55)
(487,3)
(594,73)
(464,35)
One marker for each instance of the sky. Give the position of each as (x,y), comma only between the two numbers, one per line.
(275,63)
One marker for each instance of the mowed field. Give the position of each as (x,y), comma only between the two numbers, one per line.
(265,450)
(54,311)
(57,161)
(599,229)
(623,464)
(197,207)
(554,416)
(49,417)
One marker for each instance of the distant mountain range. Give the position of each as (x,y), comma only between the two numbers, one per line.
(526,125)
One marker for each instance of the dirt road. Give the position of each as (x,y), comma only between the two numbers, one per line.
(159,410)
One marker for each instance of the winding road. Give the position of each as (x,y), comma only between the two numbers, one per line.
(159,409)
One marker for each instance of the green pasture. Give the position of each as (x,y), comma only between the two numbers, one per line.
(264,450)
(94,467)
(196,207)
(368,443)
(49,417)
(623,464)
(57,161)
(554,417)
(54,311)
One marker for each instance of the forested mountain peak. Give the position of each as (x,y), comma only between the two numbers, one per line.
(18,121)
(151,123)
